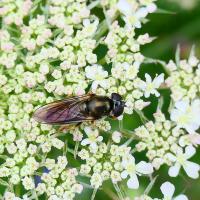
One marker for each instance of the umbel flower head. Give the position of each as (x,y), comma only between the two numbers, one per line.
(184,77)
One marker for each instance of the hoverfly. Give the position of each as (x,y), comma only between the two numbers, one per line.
(79,109)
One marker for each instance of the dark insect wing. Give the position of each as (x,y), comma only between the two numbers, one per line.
(63,112)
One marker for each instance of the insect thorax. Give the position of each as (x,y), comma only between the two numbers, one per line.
(99,106)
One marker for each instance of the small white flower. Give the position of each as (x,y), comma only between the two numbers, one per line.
(150,86)
(96,180)
(171,66)
(44,68)
(168,190)
(57,143)
(9,196)
(126,6)
(187,115)
(132,16)
(77,188)
(93,138)
(97,74)
(116,136)
(133,170)
(181,159)
(115,176)
(28,183)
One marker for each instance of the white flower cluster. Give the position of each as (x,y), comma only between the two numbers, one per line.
(14,12)
(59,183)
(165,143)
(104,161)
(183,81)
(66,48)
(184,78)
(132,15)
(158,138)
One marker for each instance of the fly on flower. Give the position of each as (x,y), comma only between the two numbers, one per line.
(78,109)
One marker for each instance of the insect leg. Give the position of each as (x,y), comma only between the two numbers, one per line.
(121,125)
(65,128)
(78,124)
(125,132)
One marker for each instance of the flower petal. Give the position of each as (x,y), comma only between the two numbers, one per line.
(158,80)
(167,189)
(87,130)
(85,142)
(171,157)
(133,182)
(151,7)
(95,85)
(174,170)
(189,151)
(182,105)
(181,197)
(144,168)
(141,13)
(191,169)
(100,138)
(148,78)
(194,138)
(93,145)
(191,127)
(124,7)
(124,174)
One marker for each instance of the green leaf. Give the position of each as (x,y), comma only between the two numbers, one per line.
(163,11)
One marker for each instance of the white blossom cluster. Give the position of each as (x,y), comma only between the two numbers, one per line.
(184,78)
(158,138)
(167,144)
(113,162)
(183,81)
(49,51)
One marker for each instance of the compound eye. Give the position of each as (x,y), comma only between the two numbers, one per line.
(116,97)
(118,109)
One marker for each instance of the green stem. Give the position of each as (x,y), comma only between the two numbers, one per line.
(118,191)
(2,182)
(34,195)
(151,184)
(93,4)
(76,149)
(4,157)
(129,141)
(129,134)
(102,61)
(142,116)
(110,193)
(108,20)
(70,151)
(65,148)
(101,30)
(18,190)
(86,185)
(94,194)
(133,150)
